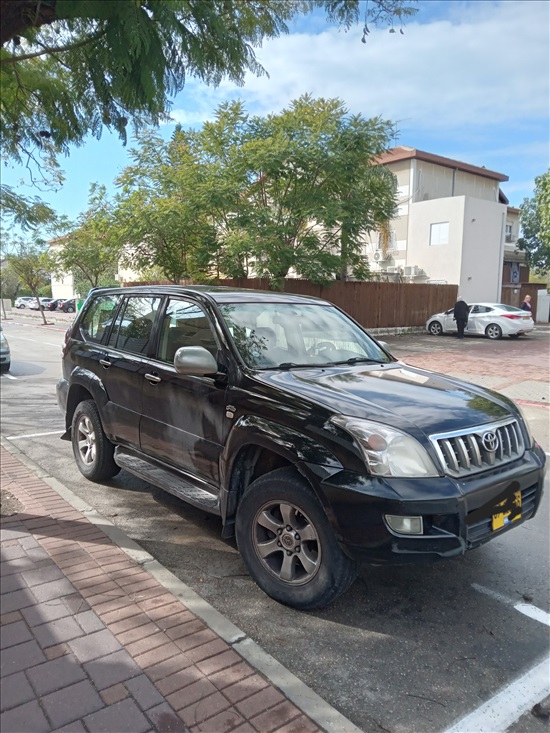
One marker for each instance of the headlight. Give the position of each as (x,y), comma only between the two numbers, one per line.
(387,451)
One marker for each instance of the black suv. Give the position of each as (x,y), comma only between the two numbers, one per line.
(280,414)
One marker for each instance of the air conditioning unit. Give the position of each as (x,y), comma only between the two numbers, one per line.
(379,256)
(411,271)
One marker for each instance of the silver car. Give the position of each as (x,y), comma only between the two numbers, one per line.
(5,357)
(493,320)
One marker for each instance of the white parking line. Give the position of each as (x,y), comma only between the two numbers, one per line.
(526,608)
(46,343)
(9,376)
(495,715)
(33,435)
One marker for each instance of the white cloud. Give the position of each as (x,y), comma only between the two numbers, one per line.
(489,67)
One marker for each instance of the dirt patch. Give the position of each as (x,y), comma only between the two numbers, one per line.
(9,504)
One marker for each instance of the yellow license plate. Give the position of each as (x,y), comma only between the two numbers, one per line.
(511,513)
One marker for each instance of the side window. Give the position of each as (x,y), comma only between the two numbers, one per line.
(184,324)
(475,309)
(134,324)
(98,317)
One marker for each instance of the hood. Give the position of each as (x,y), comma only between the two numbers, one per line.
(397,394)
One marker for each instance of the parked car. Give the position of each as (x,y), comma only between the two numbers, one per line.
(280,414)
(493,320)
(54,304)
(44,303)
(68,306)
(23,301)
(5,356)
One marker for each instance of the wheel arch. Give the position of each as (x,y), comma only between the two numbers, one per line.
(257,447)
(84,385)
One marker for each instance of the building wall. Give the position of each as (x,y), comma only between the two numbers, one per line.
(62,284)
(432,181)
(483,250)
(441,262)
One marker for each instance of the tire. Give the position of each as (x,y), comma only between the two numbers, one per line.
(70,309)
(493,331)
(5,367)
(514,335)
(435,328)
(92,450)
(319,571)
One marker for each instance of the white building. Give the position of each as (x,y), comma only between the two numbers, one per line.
(453,225)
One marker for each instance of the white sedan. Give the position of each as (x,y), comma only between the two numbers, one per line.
(493,320)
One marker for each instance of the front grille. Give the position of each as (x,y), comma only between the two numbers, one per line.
(478,532)
(464,453)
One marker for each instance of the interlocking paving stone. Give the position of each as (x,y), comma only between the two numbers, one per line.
(55,632)
(12,634)
(11,583)
(49,611)
(55,675)
(42,575)
(122,717)
(89,622)
(27,718)
(110,669)
(20,657)
(15,691)
(94,645)
(164,719)
(144,692)
(16,600)
(54,589)
(72,703)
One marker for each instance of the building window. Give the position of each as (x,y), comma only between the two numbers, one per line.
(439,233)
(510,233)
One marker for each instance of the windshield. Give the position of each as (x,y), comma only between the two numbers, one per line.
(286,335)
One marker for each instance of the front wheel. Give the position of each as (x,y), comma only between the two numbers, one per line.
(92,450)
(70,309)
(493,331)
(435,328)
(287,543)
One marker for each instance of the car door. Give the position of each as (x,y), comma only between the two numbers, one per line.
(448,322)
(123,363)
(477,319)
(183,417)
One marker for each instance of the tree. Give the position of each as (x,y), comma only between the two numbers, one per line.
(535,225)
(68,68)
(159,216)
(31,262)
(91,248)
(297,190)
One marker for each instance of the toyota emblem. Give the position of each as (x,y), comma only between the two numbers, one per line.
(490,441)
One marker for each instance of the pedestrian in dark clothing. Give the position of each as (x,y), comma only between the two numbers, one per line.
(460,315)
(526,305)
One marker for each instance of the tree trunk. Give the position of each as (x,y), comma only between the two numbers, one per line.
(17,16)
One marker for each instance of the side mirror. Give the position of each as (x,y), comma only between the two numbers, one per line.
(384,345)
(195,361)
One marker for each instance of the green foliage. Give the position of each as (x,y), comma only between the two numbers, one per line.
(91,248)
(69,68)
(295,191)
(535,225)
(30,260)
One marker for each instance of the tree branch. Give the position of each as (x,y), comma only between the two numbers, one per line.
(57,49)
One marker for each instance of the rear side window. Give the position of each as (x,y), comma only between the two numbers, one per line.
(134,325)
(98,317)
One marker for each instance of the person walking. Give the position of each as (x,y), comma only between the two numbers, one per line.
(460,315)
(526,305)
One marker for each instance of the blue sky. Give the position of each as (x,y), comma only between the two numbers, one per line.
(468,80)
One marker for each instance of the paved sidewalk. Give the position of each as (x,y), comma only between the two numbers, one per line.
(91,641)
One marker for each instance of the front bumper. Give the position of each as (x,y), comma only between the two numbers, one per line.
(457,515)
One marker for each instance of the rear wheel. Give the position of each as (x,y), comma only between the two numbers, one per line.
(493,331)
(5,367)
(70,309)
(287,542)
(92,450)
(435,328)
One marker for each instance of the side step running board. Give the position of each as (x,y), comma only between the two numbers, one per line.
(168,481)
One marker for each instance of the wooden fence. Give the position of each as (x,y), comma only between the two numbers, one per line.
(372,304)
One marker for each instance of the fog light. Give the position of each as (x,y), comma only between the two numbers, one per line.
(404,525)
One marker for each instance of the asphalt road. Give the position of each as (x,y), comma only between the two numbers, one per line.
(407,649)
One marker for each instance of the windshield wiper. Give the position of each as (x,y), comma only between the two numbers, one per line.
(292,365)
(359,359)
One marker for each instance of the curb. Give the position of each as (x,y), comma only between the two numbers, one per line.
(317,709)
